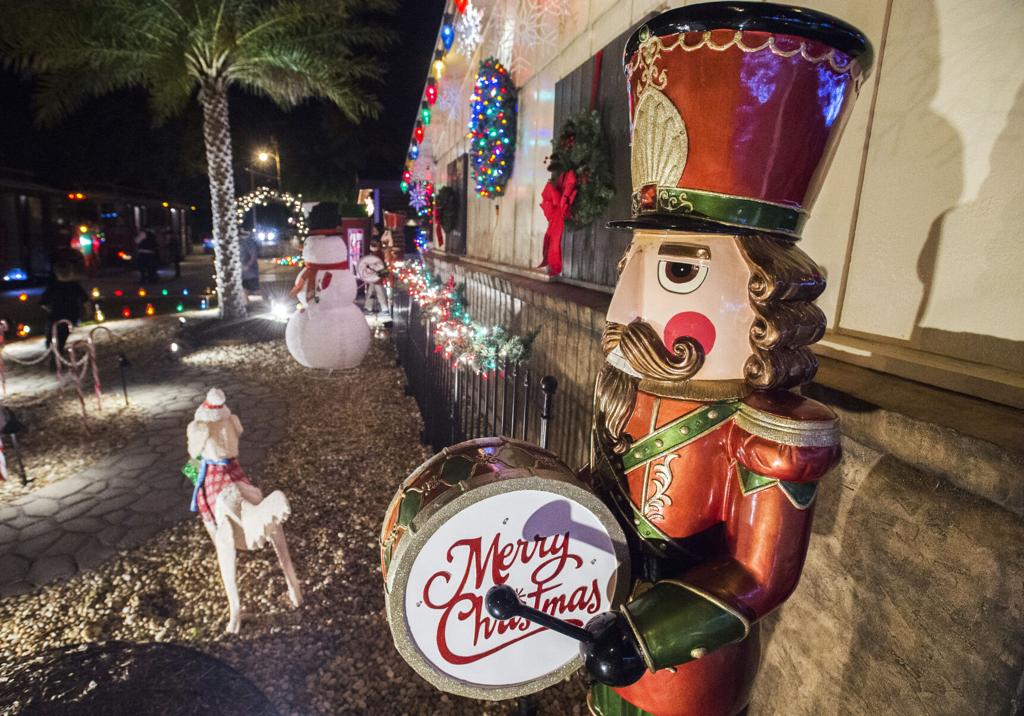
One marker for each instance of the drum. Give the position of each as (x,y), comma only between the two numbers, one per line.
(496,511)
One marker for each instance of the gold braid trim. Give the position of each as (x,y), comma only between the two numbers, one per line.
(644,651)
(799,433)
(651,49)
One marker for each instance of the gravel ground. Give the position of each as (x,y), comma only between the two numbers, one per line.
(349,440)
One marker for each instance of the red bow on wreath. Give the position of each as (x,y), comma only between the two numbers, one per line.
(556,203)
(438,230)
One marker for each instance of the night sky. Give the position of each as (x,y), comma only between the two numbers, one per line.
(113,140)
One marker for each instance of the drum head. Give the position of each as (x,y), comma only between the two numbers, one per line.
(531,526)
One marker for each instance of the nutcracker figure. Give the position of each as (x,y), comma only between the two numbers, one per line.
(708,459)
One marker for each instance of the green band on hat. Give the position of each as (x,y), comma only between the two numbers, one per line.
(721,208)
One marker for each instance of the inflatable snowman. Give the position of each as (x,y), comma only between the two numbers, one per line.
(328,330)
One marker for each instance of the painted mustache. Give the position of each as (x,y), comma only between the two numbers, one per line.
(643,349)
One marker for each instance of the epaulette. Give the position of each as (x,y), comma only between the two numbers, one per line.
(789,419)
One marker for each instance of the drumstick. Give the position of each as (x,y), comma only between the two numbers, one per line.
(502,602)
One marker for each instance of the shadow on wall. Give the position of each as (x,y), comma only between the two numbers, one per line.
(928,142)
(912,596)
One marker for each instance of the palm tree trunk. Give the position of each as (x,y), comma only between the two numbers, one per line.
(213,96)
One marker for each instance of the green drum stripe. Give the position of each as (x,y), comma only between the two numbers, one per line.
(679,431)
(734,210)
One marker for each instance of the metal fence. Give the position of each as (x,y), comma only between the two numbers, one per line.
(459,404)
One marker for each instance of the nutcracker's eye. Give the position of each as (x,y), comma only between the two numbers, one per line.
(681,276)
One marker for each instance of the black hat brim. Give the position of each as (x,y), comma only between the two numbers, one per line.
(669,222)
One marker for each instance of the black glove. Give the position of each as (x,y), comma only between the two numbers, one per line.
(610,650)
(613,655)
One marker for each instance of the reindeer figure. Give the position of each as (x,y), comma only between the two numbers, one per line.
(234,511)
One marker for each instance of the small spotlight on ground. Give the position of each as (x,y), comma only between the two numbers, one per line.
(279,311)
(181,320)
(175,348)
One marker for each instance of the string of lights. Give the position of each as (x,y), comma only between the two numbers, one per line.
(134,303)
(463,342)
(263,196)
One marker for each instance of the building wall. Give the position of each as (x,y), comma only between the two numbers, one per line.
(919,220)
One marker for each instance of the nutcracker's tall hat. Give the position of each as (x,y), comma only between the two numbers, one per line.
(736,109)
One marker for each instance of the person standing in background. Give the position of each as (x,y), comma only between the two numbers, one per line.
(146,256)
(64,301)
(250,255)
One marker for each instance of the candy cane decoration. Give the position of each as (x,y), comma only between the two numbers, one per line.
(75,375)
(56,352)
(76,365)
(97,387)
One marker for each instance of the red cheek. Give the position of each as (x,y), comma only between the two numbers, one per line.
(690,324)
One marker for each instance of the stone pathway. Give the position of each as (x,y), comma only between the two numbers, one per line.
(123,499)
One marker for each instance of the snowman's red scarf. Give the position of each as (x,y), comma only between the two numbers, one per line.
(307,278)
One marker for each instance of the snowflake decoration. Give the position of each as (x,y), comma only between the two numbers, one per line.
(419,196)
(553,17)
(522,26)
(469,31)
(450,99)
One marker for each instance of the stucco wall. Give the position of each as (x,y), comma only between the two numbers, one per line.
(911,601)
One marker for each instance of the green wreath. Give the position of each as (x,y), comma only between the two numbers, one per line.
(581,147)
(447,202)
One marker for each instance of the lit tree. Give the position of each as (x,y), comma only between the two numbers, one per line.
(287,50)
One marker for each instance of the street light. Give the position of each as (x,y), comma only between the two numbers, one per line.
(263,156)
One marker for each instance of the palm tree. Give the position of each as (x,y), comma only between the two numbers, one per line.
(287,50)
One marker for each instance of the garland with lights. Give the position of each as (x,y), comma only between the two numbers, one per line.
(483,349)
(133,303)
(263,196)
(492,128)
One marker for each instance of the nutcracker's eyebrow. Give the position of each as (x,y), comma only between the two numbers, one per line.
(685,251)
